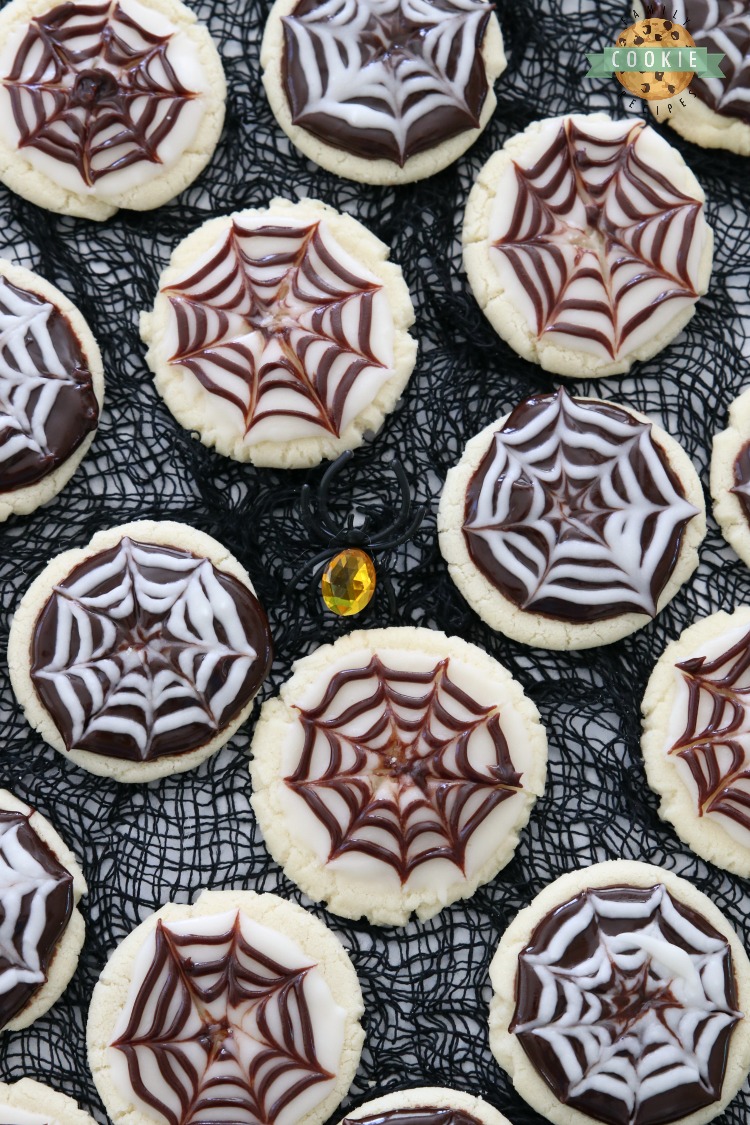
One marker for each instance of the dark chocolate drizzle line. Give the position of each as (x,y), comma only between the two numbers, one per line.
(75,412)
(214,319)
(625,999)
(393,39)
(542,230)
(723,96)
(147,633)
(574,512)
(58,908)
(69,104)
(716,720)
(219,989)
(416,1115)
(418,760)
(741,487)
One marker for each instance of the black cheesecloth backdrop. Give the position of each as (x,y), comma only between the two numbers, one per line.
(425,987)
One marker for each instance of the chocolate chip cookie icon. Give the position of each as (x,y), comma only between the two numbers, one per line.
(657,33)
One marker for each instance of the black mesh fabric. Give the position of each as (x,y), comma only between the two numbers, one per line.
(426,988)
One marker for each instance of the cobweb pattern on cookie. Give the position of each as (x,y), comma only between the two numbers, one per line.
(598,239)
(715,743)
(399,781)
(723,27)
(630,999)
(277,325)
(152,652)
(576,503)
(100,93)
(233,1039)
(386,78)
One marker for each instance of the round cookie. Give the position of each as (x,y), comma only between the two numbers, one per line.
(413,92)
(106,105)
(696,738)
(51,390)
(28,1102)
(140,655)
(715,112)
(426,1105)
(40,886)
(585,244)
(730,478)
(278,1029)
(281,335)
(571,522)
(395,772)
(612,993)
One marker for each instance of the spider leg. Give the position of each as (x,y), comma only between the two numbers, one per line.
(306,512)
(384,582)
(326,481)
(326,554)
(377,545)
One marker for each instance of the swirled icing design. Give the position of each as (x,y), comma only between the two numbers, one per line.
(625,1004)
(710,730)
(146,650)
(101,96)
(592,242)
(723,27)
(226,1020)
(47,400)
(401,766)
(385,78)
(574,511)
(36,903)
(284,328)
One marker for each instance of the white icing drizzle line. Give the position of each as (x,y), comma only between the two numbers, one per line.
(416,88)
(611,565)
(724,28)
(191,606)
(655,1054)
(282,327)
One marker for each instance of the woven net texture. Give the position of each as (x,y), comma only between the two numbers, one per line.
(425,988)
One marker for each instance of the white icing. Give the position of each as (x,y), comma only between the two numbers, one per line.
(722,27)
(541,241)
(259,380)
(659,1050)
(192,607)
(247,1041)
(307,830)
(372,93)
(27,396)
(614,563)
(181,55)
(726,706)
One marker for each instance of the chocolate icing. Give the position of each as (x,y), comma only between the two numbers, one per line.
(741,487)
(436,799)
(716,26)
(626,997)
(74,412)
(576,513)
(397,41)
(215,1000)
(137,646)
(415,1115)
(717,720)
(77,89)
(57,905)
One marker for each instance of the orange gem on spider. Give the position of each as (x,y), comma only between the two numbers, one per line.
(348,582)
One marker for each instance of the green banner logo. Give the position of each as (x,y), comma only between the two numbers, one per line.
(649,60)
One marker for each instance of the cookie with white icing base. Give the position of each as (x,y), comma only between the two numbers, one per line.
(139,655)
(586,245)
(696,738)
(676,1000)
(426,1105)
(51,390)
(127,113)
(41,886)
(281,335)
(730,477)
(355,126)
(279,1040)
(395,772)
(560,550)
(28,1102)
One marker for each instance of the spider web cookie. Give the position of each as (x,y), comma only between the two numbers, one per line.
(395,772)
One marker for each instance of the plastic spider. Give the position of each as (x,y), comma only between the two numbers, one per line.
(320,525)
